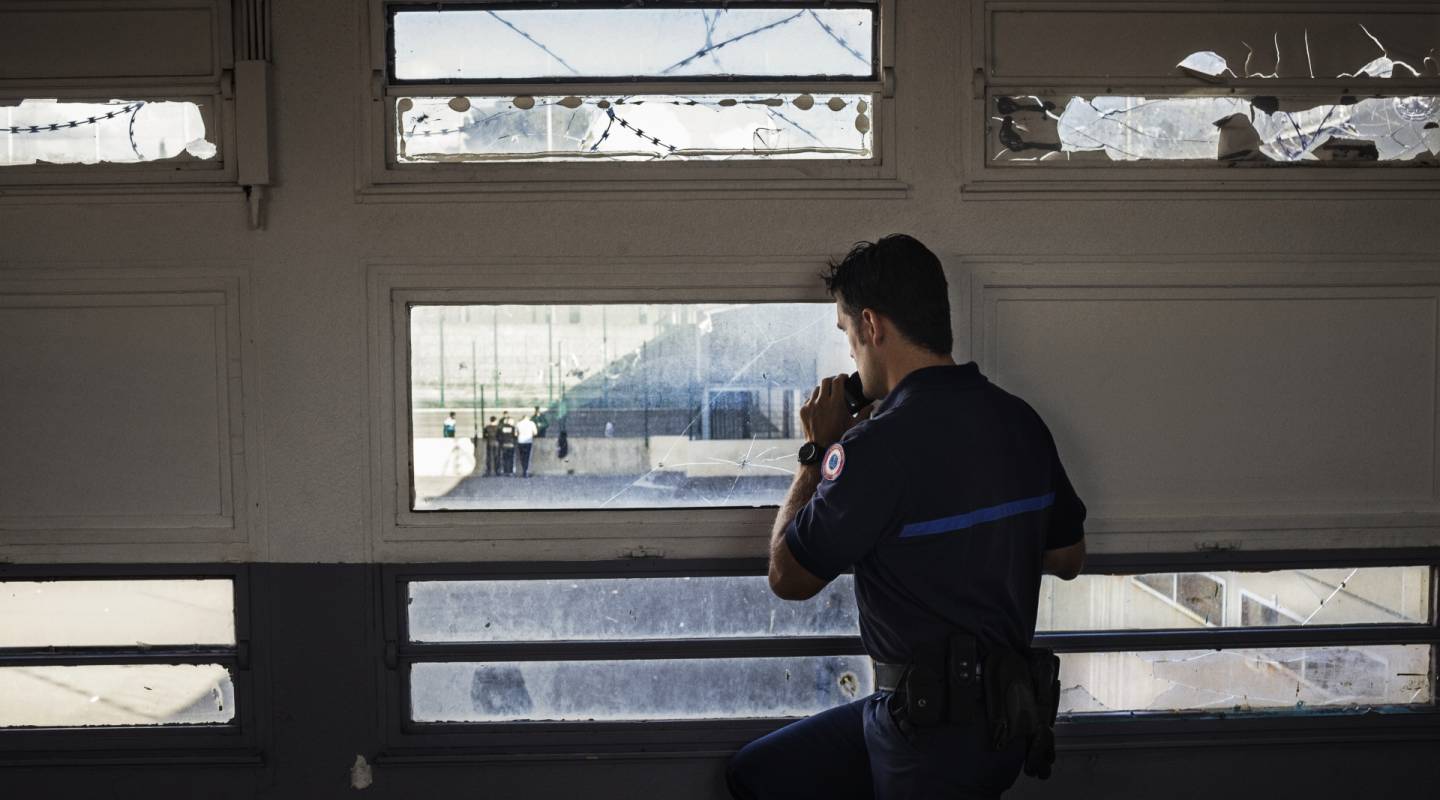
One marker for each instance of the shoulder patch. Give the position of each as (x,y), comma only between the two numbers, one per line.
(833,462)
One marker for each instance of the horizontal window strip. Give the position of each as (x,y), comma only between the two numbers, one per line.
(116,612)
(710,41)
(60,656)
(747,124)
(632,609)
(116,695)
(635,690)
(1258,679)
(634,650)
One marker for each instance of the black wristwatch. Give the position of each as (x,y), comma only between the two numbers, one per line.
(810,453)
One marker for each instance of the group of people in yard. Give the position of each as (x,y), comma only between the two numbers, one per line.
(508,443)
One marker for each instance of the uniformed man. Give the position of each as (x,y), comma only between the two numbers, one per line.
(491,433)
(947,497)
(507,445)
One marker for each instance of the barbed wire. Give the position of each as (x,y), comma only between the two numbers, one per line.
(702,52)
(74,123)
(133,109)
(838,39)
(532,40)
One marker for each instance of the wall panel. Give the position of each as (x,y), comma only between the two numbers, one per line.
(1199,400)
(124,412)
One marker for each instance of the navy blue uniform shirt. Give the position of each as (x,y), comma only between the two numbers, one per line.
(944,502)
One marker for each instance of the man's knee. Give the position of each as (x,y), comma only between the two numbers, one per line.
(740,774)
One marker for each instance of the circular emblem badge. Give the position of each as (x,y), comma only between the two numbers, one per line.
(833,463)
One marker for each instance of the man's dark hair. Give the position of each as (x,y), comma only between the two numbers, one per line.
(900,278)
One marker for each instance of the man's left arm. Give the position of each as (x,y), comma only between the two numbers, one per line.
(789,580)
(826,514)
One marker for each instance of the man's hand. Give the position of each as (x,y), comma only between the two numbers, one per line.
(825,416)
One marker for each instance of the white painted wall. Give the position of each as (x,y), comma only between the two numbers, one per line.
(1219,369)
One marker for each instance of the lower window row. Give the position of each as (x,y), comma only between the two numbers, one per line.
(1232,681)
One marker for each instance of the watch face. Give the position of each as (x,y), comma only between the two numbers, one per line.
(809,453)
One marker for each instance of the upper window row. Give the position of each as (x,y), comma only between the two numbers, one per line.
(490,83)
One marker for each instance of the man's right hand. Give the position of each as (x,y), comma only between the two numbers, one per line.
(825,416)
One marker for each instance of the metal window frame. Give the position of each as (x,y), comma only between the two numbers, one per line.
(235,742)
(402,534)
(214,92)
(406,742)
(981,180)
(381,178)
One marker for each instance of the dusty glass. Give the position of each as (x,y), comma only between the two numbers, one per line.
(1333,596)
(613,406)
(634,127)
(670,689)
(39,131)
(68,613)
(1279,679)
(657,43)
(123,694)
(609,609)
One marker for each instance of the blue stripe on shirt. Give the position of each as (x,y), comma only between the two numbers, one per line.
(973,518)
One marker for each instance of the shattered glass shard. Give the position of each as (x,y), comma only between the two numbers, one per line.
(1204,128)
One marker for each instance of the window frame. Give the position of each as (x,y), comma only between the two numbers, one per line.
(407,742)
(235,742)
(980,179)
(381,178)
(214,91)
(402,534)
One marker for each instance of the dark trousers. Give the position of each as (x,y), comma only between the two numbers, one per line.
(507,466)
(525,458)
(859,751)
(492,458)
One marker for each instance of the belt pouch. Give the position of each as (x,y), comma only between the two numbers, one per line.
(923,686)
(1009,698)
(963,667)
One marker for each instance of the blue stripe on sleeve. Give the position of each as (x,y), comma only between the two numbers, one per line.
(973,518)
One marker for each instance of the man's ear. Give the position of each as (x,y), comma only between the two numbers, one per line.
(872,329)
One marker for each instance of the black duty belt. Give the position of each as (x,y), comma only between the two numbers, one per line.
(888,676)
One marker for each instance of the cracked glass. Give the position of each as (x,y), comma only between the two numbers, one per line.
(644,127)
(816,45)
(1289,127)
(1293,679)
(612,406)
(1391,129)
(660,689)
(39,131)
(116,694)
(657,43)
(623,609)
(116,613)
(1350,596)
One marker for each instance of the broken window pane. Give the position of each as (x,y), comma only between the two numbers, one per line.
(610,609)
(656,43)
(69,613)
(126,694)
(1269,130)
(1292,679)
(644,127)
(639,406)
(671,689)
(1193,126)
(1356,596)
(114,132)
